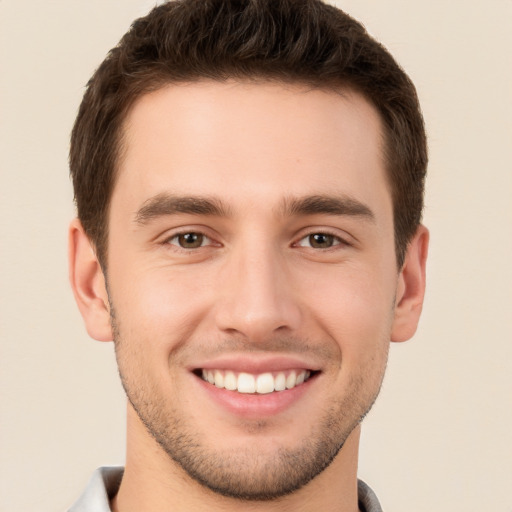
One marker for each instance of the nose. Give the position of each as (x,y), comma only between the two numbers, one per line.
(258,298)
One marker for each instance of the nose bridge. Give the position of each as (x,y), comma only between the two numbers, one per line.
(258,299)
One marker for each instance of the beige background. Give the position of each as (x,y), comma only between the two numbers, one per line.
(439,438)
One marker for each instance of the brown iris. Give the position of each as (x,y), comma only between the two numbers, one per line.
(190,240)
(321,240)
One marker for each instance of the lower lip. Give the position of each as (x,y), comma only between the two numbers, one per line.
(253,405)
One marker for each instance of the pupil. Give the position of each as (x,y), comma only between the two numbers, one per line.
(191,240)
(321,240)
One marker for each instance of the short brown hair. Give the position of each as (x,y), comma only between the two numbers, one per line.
(297,41)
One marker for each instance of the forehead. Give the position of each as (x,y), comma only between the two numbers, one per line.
(241,140)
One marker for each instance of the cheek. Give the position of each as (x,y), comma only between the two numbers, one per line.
(158,308)
(355,310)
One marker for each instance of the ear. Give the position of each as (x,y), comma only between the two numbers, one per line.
(88,283)
(411,287)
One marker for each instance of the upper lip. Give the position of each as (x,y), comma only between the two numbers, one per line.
(257,364)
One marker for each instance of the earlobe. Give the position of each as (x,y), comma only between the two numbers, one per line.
(88,283)
(411,287)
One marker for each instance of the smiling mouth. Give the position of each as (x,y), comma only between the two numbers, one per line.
(262,383)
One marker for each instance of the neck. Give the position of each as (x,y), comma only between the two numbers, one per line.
(153,481)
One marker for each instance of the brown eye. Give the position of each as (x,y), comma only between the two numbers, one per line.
(190,240)
(321,240)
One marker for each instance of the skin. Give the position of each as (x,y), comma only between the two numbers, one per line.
(256,290)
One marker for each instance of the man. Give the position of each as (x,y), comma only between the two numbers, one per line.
(249,182)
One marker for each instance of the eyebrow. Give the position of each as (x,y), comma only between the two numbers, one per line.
(168,204)
(327,205)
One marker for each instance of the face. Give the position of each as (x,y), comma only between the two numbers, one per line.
(252,278)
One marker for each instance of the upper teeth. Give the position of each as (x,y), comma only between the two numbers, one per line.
(261,383)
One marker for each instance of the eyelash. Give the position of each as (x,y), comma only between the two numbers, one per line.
(177,236)
(207,241)
(337,240)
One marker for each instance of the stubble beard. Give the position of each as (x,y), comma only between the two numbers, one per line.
(249,474)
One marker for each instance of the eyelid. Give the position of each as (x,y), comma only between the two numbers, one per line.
(199,230)
(343,240)
(206,238)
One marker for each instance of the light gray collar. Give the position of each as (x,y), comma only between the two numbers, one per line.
(104,484)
